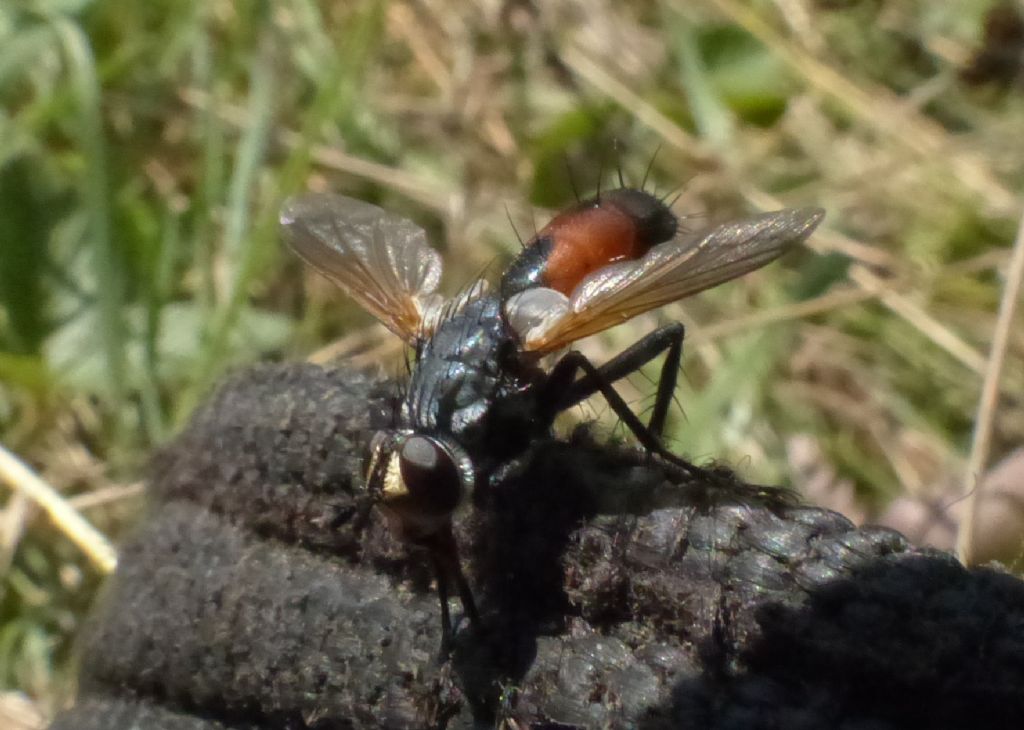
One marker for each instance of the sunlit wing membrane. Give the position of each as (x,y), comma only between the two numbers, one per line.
(379,259)
(547,320)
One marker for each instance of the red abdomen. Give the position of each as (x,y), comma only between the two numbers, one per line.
(620,225)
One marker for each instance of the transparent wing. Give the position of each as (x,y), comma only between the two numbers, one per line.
(547,320)
(379,259)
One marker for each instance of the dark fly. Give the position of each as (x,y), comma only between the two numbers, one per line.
(479,394)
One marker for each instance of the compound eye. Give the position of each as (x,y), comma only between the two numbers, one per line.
(430,474)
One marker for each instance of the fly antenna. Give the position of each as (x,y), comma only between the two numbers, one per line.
(647,172)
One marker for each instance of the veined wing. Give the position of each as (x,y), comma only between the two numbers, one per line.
(379,259)
(547,320)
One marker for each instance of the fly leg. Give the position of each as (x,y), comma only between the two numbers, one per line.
(668,339)
(442,594)
(565,390)
(449,553)
(445,556)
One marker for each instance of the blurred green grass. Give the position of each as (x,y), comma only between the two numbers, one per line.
(145,149)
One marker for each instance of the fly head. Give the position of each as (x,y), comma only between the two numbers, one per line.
(418,481)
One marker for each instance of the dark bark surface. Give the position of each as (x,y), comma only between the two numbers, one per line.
(263,591)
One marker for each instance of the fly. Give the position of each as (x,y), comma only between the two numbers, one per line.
(478,394)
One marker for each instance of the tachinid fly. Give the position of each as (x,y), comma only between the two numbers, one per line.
(478,394)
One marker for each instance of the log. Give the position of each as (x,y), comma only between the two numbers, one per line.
(263,590)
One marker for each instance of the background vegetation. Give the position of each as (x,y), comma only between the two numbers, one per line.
(145,149)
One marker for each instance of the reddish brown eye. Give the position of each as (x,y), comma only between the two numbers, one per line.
(430,474)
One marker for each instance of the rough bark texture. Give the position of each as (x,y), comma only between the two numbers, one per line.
(263,591)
